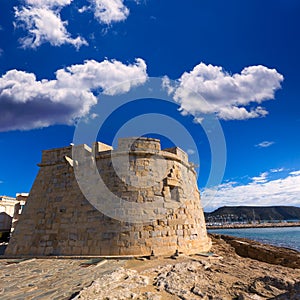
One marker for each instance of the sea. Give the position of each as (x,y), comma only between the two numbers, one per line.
(288,237)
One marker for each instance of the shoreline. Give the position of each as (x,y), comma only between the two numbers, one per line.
(261,225)
(263,252)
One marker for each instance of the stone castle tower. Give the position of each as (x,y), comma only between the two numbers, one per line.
(71,214)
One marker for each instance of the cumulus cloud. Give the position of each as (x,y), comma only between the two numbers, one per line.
(259,192)
(109,11)
(261,178)
(190,151)
(277,170)
(264,144)
(28,103)
(295,173)
(210,89)
(241,113)
(41,19)
(48,3)
(167,85)
(83,9)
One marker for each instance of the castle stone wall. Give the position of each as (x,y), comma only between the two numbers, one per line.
(59,220)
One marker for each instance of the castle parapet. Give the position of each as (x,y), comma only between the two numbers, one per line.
(179,153)
(55,156)
(99,147)
(139,144)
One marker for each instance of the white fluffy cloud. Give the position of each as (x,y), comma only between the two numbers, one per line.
(190,151)
(262,178)
(296,173)
(259,192)
(210,89)
(27,103)
(41,19)
(48,3)
(277,170)
(109,11)
(264,144)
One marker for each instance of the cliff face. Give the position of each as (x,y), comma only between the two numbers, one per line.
(244,213)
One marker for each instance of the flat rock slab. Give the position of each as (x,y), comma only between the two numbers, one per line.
(219,275)
(49,278)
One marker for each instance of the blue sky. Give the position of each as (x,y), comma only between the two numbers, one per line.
(58,58)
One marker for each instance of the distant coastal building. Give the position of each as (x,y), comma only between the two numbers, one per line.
(157,188)
(7,211)
(21,199)
(10,210)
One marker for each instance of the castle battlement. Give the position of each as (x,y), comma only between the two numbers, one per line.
(126,146)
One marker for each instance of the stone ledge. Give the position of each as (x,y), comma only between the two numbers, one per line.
(262,252)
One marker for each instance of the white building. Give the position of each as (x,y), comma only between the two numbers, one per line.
(10,210)
(7,211)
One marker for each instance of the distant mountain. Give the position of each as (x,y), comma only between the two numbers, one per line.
(258,213)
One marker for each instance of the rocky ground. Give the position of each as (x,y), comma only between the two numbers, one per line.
(223,275)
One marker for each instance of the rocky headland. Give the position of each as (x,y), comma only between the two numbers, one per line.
(253,213)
